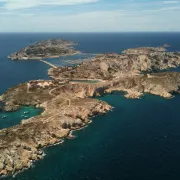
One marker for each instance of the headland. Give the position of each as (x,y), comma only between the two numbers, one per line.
(45,49)
(68,105)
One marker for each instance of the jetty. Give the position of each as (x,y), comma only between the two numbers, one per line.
(50,64)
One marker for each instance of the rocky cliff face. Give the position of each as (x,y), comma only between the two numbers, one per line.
(20,145)
(68,106)
(162,84)
(63,111)
(45,49)
(108,66)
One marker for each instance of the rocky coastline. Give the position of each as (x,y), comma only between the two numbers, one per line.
(52,48)
(70,106)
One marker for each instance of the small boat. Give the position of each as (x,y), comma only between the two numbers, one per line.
(4,117)
(26,112)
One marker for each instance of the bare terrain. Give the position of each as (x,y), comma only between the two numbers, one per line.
(69,105)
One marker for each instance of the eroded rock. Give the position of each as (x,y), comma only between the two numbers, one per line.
(69,106)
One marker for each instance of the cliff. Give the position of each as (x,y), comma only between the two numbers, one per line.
(67,105)
(63,111)
(109,66)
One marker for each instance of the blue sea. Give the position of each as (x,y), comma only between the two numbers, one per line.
(138,140)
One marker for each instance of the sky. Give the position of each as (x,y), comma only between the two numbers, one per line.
(89,15)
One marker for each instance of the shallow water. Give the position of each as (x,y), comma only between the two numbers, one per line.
(9,119)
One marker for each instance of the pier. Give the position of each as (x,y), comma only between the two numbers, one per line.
(52,65)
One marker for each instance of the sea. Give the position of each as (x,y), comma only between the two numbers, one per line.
(137,140)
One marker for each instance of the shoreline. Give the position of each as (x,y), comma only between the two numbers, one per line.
(45,49)
(41,150)
(45,57)
(79,129)
(71,106)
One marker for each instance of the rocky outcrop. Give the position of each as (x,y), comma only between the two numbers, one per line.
(63,111)
(109,66)
(162,84)
(20,145)
(144,50)
(68,106)
(45,49)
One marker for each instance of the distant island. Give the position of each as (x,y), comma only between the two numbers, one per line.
(67,98)
(45,49)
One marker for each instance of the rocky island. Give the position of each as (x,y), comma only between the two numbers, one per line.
(68,104)
(45,49)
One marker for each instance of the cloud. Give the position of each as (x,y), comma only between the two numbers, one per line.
(97,21)
(104,16)
(25,4)
(171,2)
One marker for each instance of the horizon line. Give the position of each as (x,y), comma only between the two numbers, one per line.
(99,32)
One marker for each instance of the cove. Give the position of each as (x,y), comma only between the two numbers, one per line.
(8,119)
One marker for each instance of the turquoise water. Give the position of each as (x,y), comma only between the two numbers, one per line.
(138,140)
(8,119)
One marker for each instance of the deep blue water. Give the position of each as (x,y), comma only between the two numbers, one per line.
(138,140)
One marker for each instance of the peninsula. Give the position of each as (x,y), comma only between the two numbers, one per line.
(68,104)
(45,49)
